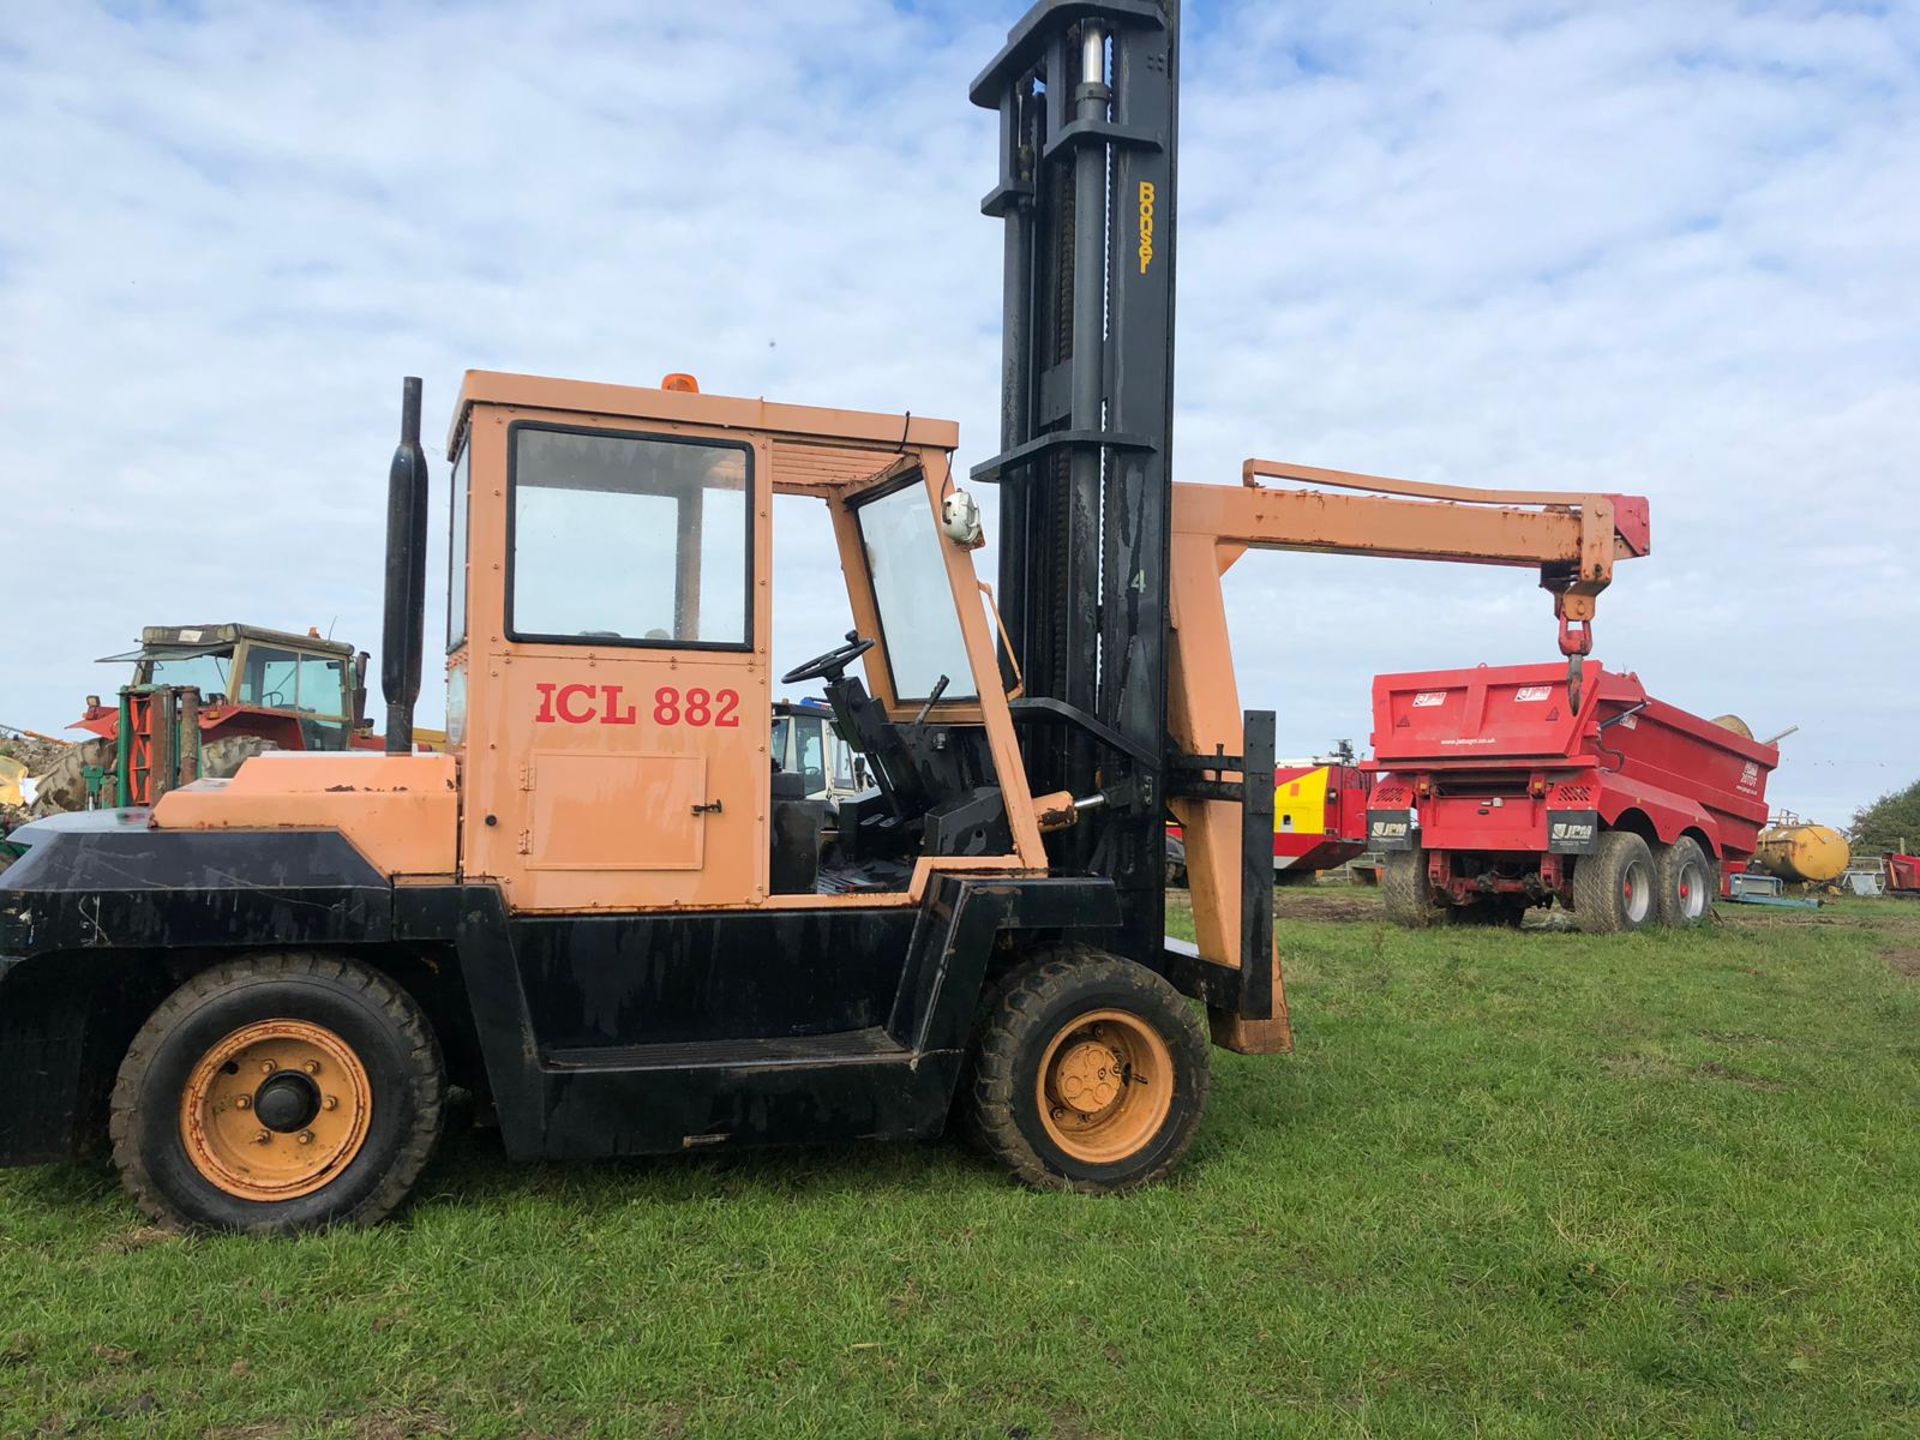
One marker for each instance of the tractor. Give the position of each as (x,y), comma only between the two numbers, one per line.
(252,690)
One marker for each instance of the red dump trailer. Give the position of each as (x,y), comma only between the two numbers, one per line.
(1903,874)
(1493,794)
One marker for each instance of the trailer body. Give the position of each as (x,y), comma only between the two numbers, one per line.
(1504,786)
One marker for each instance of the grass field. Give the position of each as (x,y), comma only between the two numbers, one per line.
(1510,1184)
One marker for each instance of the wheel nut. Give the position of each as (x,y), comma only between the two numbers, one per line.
(306,1137)
(330,1103)
(262,1138)
(312,1067)
(267,1067)
(243,1102)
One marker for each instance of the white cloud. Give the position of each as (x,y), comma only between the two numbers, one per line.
(1652,248)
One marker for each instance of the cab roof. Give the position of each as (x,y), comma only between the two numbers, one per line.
(186,641)
(862,429)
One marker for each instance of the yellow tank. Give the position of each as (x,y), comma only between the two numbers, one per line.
(1813,853)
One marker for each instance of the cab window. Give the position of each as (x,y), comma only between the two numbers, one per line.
(628,539)
(914,596)
(271,679)
(812,758)
(206,673)
(322,686)
(457,537)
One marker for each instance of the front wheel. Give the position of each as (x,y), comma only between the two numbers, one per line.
(1615,887)
(1092,1075)
(276,1094)
(1688,882)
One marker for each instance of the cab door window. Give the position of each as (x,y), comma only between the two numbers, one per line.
(271,679)
(323,686)
(628,539)
(811,734)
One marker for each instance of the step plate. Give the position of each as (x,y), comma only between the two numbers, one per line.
(843,1047)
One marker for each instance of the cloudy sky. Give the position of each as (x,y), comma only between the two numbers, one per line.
(1659,248)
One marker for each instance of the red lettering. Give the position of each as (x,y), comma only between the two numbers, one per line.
(578,704)
(613,714)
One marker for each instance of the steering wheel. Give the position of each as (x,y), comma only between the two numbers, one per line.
(830,665)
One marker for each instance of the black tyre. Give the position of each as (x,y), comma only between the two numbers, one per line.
(1092,1075)
(1407,893)
(278,1093)
(1688,880)
(221,759)
(1615,889)
(64,785)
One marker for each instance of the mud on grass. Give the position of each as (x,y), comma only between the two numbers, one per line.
(1510,1184)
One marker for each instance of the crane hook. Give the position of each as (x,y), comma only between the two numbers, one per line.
(1576,643)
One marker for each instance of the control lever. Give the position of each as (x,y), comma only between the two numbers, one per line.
(939,689)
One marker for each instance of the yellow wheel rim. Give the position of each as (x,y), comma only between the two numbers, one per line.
(276,1110)
(1105,1086)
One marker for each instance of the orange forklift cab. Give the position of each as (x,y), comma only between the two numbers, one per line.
(608,670)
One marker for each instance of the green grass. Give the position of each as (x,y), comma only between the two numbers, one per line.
(1510,1184)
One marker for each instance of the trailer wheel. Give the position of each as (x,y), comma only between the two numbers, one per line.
(1688,882)
(1092,1075)
(1408,894)
(277,1094)
(1616,888)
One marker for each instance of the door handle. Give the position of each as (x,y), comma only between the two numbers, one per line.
(712,807)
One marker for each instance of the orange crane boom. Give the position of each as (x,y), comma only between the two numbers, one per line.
(1573,539)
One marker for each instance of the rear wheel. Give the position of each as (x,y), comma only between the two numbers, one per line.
(1092,1075)
(1615,889)
(64,785)
(221,759)
(277,1094)
(1688,882)
(1407,892)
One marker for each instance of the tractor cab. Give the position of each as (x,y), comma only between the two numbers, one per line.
(610,653)
(301,692)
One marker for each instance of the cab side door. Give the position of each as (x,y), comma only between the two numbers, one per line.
(625,697)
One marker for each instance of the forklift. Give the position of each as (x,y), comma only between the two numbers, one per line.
(606,911)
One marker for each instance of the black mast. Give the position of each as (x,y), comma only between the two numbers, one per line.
(1088,96)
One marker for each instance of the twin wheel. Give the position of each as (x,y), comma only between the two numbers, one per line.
(1625,884)
(286,1092)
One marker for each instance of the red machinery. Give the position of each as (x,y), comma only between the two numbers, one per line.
(1903,874)
(1319,820)
(1319,816)
(1493,794)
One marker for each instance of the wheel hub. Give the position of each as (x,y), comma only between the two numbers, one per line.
(287,1101)
(1090,1076)
(275,1110)
(1105,1086)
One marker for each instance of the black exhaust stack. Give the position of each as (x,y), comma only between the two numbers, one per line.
(403,636)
